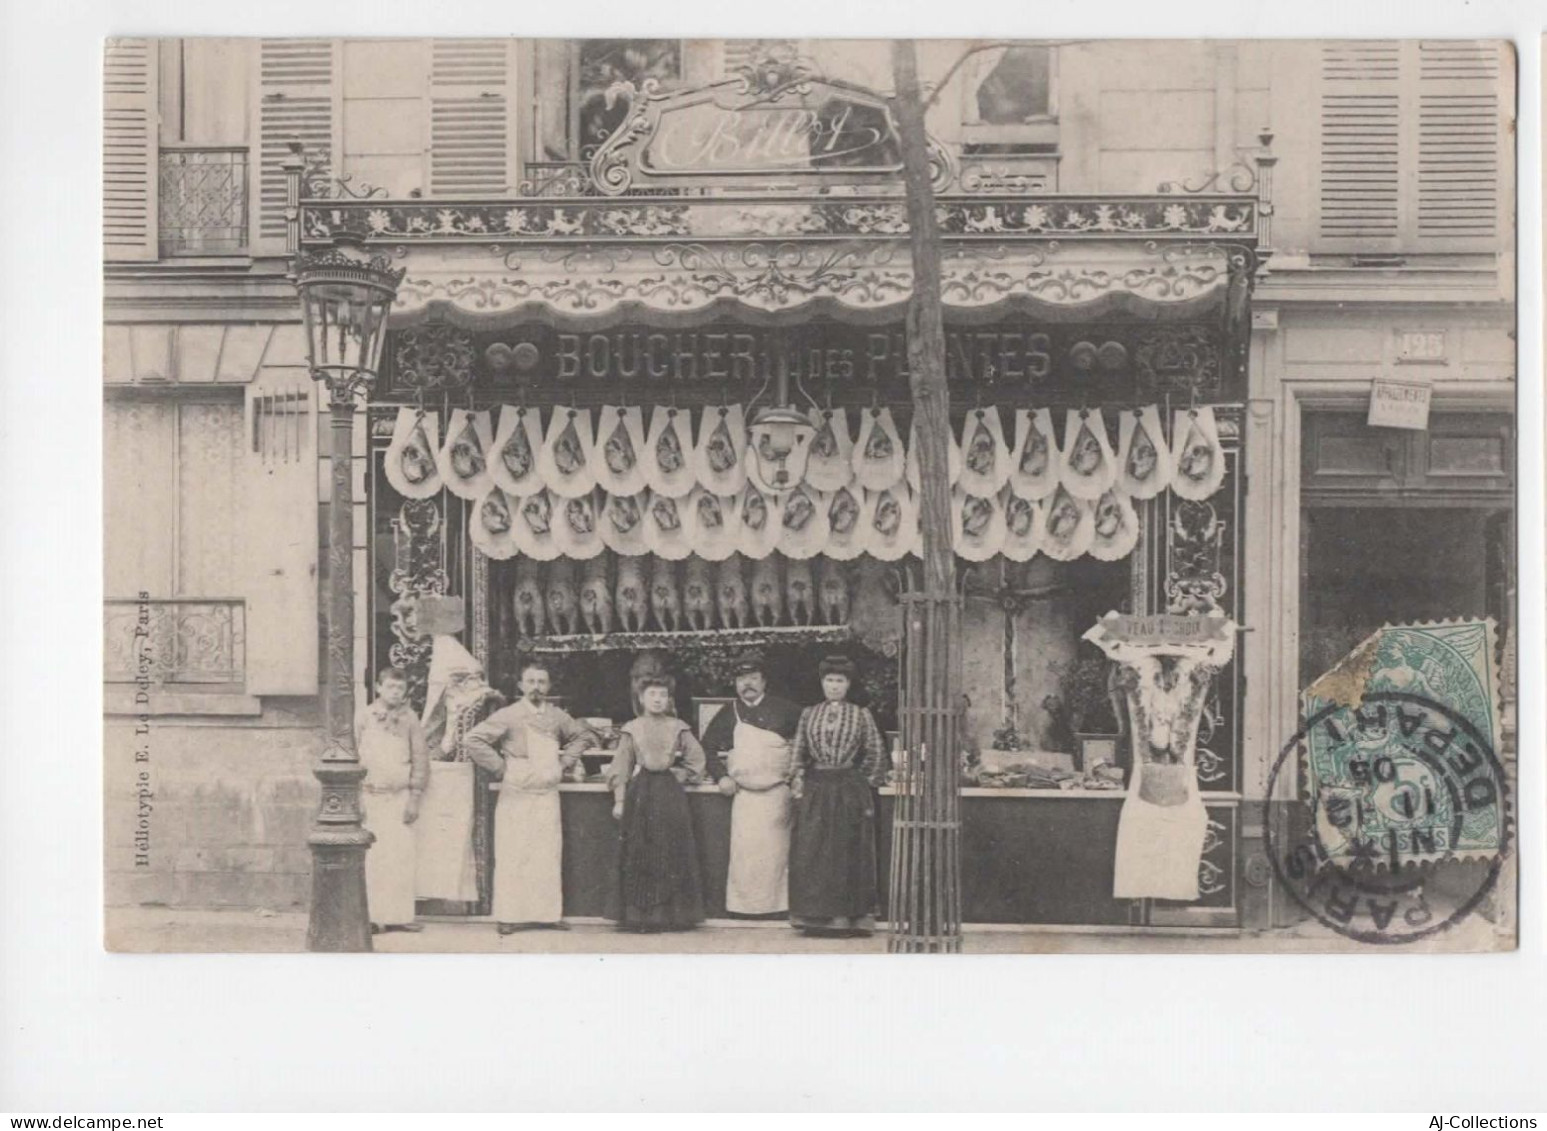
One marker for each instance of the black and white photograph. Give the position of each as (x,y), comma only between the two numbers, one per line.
(809,496)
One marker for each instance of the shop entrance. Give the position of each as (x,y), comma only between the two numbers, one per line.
(1391,528)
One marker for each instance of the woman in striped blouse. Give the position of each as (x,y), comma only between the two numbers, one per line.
(840,760)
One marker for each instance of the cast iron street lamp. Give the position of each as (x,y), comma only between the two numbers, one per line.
(345,297)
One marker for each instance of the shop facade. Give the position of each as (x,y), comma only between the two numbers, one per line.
(1073,285)
(636,324)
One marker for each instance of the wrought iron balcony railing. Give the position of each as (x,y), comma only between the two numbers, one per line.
(151,643)
(204,193)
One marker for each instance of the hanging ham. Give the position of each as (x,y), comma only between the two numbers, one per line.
(565,459)
(1086,466)
(667,445)
(621,433)
(879,458)
(721,449)
(1197,454)
(985,458)
(1034,459)
(831,462)
(411,464)
(804,523)
(491,525)
(517,440)
(1067,526)
(464,461)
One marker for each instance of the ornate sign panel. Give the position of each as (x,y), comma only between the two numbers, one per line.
(1012,359)
(777,122)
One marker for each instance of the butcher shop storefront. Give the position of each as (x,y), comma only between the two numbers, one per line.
(566,463)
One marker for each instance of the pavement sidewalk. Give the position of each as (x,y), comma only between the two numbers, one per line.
(164,930)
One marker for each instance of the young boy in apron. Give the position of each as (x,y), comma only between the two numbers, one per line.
(396,759)
(750,754)
(529,744)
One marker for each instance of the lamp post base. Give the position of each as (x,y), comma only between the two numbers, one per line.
(339,920)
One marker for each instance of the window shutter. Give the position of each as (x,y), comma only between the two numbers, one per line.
(295,104)
(1458,141)
(1361,124)
(470,127)
(1411,146)
(129,150)
(280,523)
(736,54)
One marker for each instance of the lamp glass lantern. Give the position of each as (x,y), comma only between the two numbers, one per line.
(346,295)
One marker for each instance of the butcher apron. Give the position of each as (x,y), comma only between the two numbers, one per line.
(1160,834)
(528,841)
(759,764)
(389,864)
(446,865)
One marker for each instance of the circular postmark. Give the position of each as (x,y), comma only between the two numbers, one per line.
(1400,823)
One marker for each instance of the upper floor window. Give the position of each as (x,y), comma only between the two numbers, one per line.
(202,163)
(1009,99)
(1411,150)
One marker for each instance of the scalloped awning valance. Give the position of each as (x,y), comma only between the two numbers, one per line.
(687,283)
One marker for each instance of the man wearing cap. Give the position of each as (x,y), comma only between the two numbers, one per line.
(750,754)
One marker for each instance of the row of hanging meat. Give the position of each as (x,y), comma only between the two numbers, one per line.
(661,491)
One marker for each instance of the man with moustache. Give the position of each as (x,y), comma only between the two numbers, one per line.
(751,756)
(528,745)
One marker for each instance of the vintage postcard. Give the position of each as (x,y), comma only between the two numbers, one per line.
(809,496)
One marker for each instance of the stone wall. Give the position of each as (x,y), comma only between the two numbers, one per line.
(229,810)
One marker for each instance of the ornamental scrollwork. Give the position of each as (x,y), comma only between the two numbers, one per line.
(433,357)
(418,571)
(1183,358)
(1194,580)
(1213,877)
(671,217)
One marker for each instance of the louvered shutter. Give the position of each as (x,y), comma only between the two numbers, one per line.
(295,104)
(1361,125)
(470,128)
(279,522)
(1459,141)
(129,150)
(737,54)
(1411,149)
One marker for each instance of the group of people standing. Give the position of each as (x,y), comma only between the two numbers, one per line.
(802,783)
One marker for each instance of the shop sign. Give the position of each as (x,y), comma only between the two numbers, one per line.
(782,123)
(1399,404)
(1109,362)
(1166,629)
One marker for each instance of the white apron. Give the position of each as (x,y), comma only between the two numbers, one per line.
(528,842)
(389,862)
(445,829)
(1159,846)
(761,815)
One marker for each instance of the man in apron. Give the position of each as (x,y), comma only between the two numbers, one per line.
(529,745)
(750,754)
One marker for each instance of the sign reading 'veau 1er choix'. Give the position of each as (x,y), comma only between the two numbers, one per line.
(1399,404)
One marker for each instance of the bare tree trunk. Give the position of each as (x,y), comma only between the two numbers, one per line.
(925,888)
(926,325)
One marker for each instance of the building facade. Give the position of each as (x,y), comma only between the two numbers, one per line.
(1263,230)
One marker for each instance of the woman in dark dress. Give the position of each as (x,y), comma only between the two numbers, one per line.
(840,760)
(659,886)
